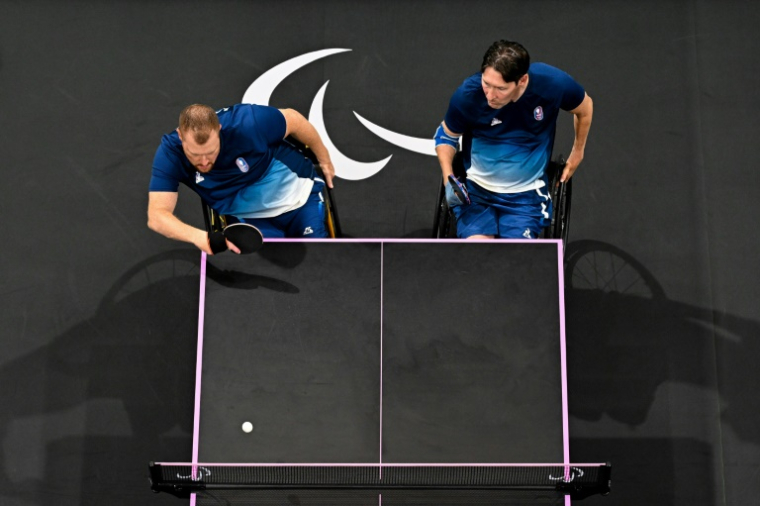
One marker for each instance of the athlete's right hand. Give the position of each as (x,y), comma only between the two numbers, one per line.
(451,198)
(211,245)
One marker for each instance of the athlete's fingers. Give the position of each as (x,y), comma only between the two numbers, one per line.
(231,246)
(329,172)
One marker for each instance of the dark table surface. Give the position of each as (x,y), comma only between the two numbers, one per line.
(384,352)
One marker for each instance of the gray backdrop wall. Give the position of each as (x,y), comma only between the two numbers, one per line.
(97,319)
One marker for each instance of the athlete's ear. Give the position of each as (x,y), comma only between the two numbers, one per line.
(179,133)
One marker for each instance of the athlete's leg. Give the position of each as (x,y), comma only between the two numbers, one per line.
(308,221)
(517,226)
(475,221)
(524,215)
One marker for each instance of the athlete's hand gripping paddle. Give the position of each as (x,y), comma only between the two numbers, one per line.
(459,190)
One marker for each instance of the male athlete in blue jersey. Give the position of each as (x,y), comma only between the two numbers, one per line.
(507,115)
(236,159)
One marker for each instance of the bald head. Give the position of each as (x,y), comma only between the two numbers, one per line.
(200,121)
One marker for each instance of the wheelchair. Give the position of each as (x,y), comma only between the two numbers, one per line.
(216,222)
(444,224)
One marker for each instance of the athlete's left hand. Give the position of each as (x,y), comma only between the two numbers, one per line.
(329,172)
(571,165)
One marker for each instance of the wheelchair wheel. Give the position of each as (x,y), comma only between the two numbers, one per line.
(599,266)
(444,224)
(561,194)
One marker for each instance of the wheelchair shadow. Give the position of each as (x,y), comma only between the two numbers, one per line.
(626,338)
(632,352)
(84,415)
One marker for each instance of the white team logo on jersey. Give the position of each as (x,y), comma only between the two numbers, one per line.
(495,121)
(526,234)
(538,113)
(242,164)
(308,230)
(260,91)
(198,178)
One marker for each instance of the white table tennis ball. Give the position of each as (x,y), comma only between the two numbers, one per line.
(247,426)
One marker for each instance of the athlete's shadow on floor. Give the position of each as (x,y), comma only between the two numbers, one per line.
(230,271)
(82,417)
(626,338)
(628,345)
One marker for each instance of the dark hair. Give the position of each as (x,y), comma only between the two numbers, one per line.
(199,119)
(510,59)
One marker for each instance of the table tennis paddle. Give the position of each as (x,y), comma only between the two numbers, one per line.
(459,190)
(246,237)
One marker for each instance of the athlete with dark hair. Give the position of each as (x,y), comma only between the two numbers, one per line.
(236,159)
(506,115)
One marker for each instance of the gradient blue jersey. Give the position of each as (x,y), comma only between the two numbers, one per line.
(506,150)
(256,175)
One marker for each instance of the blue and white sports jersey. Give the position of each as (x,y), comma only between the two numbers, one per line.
(506,150)
(256,175)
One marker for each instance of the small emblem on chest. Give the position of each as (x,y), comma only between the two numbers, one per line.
(198,178)
(538,113)
(495,121)
(242,164)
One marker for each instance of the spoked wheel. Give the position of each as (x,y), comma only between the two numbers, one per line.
(595,265)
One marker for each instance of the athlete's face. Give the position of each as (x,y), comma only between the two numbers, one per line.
(498,92)
(202,156)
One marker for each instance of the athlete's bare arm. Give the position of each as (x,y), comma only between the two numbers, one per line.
(161,219)
(581,123)
(300,128)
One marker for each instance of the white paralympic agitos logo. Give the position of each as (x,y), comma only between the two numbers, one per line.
(260,91)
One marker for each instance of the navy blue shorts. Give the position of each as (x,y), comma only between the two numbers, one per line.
(307,222)
(504,215)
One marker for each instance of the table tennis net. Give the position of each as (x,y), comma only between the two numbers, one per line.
(318,485)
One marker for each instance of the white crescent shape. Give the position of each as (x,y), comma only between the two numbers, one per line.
(345,167)
(260,91)
(416,144)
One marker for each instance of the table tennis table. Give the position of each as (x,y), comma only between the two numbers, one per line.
(382,356)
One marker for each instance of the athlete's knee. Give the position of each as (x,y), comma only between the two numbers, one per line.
(315,231)
(527,232)
(479,236)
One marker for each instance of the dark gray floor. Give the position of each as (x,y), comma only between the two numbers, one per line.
(98,314)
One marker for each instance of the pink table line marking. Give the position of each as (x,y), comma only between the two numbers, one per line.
(563,366)
(407,241)
(385,464)
(198,371)
(382,260)
(199,359)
